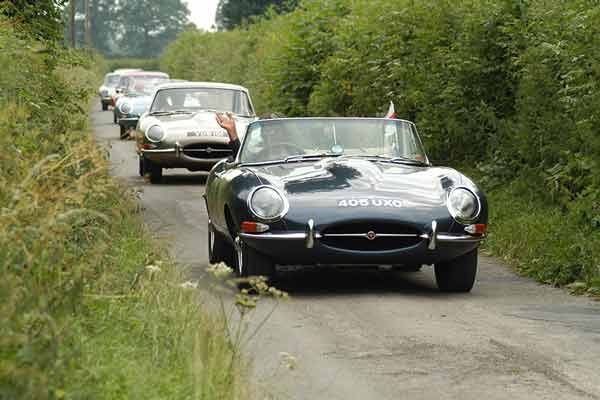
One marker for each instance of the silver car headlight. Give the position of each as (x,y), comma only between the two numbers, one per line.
(463,205)
(267,203)
(125,107)
(155,133)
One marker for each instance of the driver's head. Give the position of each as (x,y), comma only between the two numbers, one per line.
(177,98)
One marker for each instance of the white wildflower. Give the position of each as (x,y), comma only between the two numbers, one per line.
(189,285)
(153,268)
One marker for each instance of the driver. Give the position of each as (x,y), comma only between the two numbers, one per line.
(277,143)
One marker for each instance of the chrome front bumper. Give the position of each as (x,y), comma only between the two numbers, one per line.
(310,236)
(174,157)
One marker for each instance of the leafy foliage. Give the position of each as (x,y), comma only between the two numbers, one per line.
(511,87)
(232,13)
(40,18)
(147,26)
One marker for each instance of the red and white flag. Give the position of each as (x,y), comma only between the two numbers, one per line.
(391,111)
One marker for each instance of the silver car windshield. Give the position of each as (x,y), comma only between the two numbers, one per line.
(111,80)
(144,85)
(196,99)
(306,138)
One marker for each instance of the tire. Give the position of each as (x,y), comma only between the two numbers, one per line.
(142,169)
(154,170)
(457,275)
(219,250)
(104,106)
(122,132)
(250,262)
(115,118)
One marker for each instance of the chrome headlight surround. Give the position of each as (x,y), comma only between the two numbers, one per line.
(260,194)
(467,195)
(155,133)
(125,107)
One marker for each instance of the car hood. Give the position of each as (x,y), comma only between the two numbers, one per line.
(348,185)
(180,126)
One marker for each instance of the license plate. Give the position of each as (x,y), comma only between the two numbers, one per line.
(369,202)
(209,133)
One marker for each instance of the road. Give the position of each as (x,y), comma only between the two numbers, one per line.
(390,335)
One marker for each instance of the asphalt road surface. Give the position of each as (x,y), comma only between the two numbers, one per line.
(390,335)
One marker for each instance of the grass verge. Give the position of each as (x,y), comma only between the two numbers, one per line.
(553,245)
(88,307)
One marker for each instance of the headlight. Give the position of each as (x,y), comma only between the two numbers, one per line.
(125,107)
(267,203)
(463,205)
(155,133)
(104,93)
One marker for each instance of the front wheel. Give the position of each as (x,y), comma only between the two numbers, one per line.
(142,167)
(219,250)
(104,106)
(250,262)
(122,132)
(154,170)
(457,275)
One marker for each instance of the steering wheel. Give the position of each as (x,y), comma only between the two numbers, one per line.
(286,148)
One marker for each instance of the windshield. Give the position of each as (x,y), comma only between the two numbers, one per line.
(111,80)
(287,139)
(195,99)
(144,85)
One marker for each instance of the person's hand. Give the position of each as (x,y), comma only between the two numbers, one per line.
(226,122)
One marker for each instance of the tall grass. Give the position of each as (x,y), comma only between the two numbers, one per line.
(89,308)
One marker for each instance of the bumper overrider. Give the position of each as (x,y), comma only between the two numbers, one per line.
(196,154)
(308,247)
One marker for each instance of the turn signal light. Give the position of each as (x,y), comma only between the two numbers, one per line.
(149,146)
(476,229)
(253,227)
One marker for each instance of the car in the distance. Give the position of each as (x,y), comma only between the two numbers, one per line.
(180,131)
(135,99)
(127,83)
(345,192)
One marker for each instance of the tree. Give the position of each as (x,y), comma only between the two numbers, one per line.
(147,26)
(231,13)
(42,18)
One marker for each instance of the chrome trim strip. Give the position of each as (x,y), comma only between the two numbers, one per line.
(440,237)
(448,238)
(281,236)
(158,150)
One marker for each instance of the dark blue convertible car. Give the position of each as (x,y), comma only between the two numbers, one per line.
(343,192)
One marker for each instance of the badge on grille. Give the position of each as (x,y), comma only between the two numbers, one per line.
(371,235)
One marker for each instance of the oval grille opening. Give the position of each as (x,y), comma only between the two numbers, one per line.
(369,236)
(207,150)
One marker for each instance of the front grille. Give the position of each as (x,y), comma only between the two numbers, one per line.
(355,236)
(207,150)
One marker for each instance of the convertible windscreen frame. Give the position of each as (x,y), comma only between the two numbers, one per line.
(238,97)
(423,160)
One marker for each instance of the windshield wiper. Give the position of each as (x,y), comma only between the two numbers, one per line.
(398,159)
(297,157)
